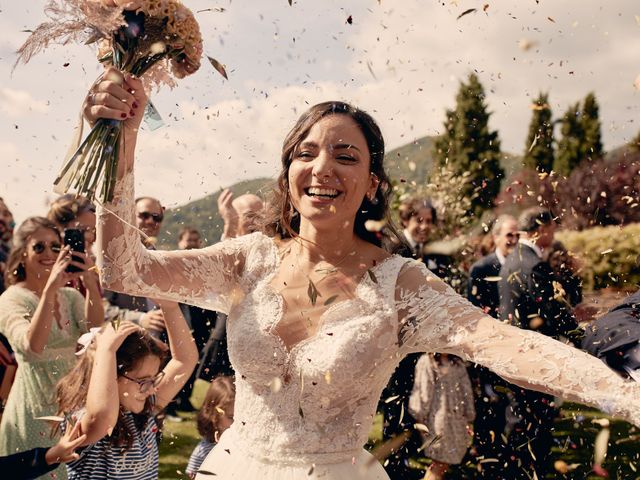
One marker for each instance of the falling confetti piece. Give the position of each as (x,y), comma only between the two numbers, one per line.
(313,293)
(551,19)
(218,66)
(350,20)
(637,82)
(525,44)
(275,384)
(466,12)
(51,418)
(604,252)
(485,7)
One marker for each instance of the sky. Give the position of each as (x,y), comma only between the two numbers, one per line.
(401,60)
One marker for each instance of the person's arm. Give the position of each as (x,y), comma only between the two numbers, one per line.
(229,214)
(39,329)
(184,354)
(93,307)
(204,277)
(103,403)
(434,318)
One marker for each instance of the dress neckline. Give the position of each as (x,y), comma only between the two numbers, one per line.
(369,275)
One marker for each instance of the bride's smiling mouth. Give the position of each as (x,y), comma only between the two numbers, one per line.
(322,193)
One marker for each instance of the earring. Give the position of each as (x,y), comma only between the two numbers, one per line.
(374,200)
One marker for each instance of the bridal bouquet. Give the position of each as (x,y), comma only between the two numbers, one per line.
(155,40)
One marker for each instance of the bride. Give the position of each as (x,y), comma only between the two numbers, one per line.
(319,313)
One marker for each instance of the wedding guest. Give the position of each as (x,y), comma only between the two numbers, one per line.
(215,416)
(442,400)
(241,215)
(149,216)
(200,321)
(528,300)
(490,426)
(116,390)
(7,360)
(73,212)
(42,320)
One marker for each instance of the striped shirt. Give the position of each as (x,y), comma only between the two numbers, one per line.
(104,460)
(197,457)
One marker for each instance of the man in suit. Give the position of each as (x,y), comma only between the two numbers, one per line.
(529,299)
(491,403)
(615,337)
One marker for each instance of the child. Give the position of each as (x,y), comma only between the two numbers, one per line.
(115,392)
(215,416)
(442,400)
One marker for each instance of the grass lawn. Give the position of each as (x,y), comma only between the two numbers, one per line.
(575,435)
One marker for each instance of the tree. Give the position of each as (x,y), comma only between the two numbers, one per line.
(590,122)
(539,148)
(470,149)
(570,151)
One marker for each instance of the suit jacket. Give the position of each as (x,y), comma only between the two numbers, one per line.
(481,292)
(610,336)
(527,295)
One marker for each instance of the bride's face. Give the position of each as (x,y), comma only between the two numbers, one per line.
(329,174)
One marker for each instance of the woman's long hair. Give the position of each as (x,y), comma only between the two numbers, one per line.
(282,218)
(15,269)
(71,391)
(219,398)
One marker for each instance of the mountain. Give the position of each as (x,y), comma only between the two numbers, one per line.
(411,162)
(203,214)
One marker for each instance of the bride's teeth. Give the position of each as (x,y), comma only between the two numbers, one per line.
(322,191)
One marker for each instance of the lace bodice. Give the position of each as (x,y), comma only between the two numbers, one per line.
(315,402)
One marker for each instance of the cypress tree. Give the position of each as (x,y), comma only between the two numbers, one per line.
(538,153)
(470,149)
(569,153)
(590,121)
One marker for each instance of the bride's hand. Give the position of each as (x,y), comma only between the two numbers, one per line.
(116,97)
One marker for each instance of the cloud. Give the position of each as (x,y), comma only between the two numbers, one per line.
(19,103)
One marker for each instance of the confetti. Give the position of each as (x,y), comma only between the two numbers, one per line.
(466,12)
(218,66)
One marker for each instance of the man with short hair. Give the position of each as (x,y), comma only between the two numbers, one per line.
(491,404)
(241,215)
(189,238)
(149,217)
(529,300)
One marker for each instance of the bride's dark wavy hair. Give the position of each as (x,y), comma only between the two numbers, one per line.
(282,218)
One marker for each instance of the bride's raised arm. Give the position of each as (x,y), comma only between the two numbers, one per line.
(205,277)
(435,318)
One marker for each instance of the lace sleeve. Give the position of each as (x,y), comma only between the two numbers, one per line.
(206,277)
(434,318)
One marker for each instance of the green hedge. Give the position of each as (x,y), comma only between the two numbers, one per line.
(610,256)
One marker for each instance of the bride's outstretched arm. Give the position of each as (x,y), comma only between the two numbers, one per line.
(435,318)
(204,277)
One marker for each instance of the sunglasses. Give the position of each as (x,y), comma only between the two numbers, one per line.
(148,384)
(157,217)
(39,247)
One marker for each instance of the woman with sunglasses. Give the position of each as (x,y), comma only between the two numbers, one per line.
(42,319)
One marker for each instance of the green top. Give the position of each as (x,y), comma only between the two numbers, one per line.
(33,391)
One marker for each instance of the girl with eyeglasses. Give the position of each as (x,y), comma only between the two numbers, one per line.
(116,390)
(42,319)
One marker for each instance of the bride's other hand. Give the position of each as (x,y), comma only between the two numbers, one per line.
(116,97)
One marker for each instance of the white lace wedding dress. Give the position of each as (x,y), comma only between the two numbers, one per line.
(304,412)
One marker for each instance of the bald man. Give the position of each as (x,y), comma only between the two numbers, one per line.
(240,215)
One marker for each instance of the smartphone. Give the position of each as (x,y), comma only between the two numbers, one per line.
(75,239)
